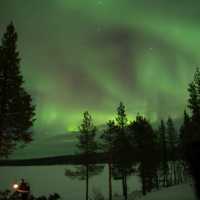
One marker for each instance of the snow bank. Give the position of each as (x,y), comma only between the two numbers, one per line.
(180,192)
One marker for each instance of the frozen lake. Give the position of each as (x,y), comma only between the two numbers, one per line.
(49,179)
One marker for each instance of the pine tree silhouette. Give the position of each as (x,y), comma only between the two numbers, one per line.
(123,160)
(164,153)
(190,131)
(146,149)
(16,109)
(87,146)
(108,137)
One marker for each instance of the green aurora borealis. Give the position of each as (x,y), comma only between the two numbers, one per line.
(82,55)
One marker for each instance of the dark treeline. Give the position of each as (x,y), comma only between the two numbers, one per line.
(76,159)
(159,156)
(132,148)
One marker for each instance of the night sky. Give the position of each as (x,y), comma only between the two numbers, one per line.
(82,55)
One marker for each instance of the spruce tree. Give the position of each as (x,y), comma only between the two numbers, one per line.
(193,101)
(194,106)
(88,147)
(123,161)
(87,144)
(16,109)
(108,147)
(146,150)
(191,130)
(121,118)
(164,153)
(172,147)
(185,134)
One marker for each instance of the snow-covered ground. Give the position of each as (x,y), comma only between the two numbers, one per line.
(48,179)
(180,192)
(44,180)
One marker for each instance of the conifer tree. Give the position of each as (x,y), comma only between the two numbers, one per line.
(121,118)
(16,109)
(185,134)
(194,106)
(146,149)
(88,147)
(172,147)
(193,101)
(87,144)
(164,153)
(123,162)
(191,130)
(108,147)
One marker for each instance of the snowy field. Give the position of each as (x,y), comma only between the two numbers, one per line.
(48,179)
(180,192)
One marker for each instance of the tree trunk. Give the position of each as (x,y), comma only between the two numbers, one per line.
(157,181)
(180,173)
(110,180)
(143,186)
(87,181)
(143,181)
(175,175)
(164,180)
(171,172)
(124,185)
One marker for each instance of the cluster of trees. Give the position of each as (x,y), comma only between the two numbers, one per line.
(131,148)
(16,108)
(160,157)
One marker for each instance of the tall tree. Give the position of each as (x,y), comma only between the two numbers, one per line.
(16,109)
(191,130)
(108,147)
(172,147)
(122,147)
(146,149)
(194,106)
(164,153)
(87,146)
